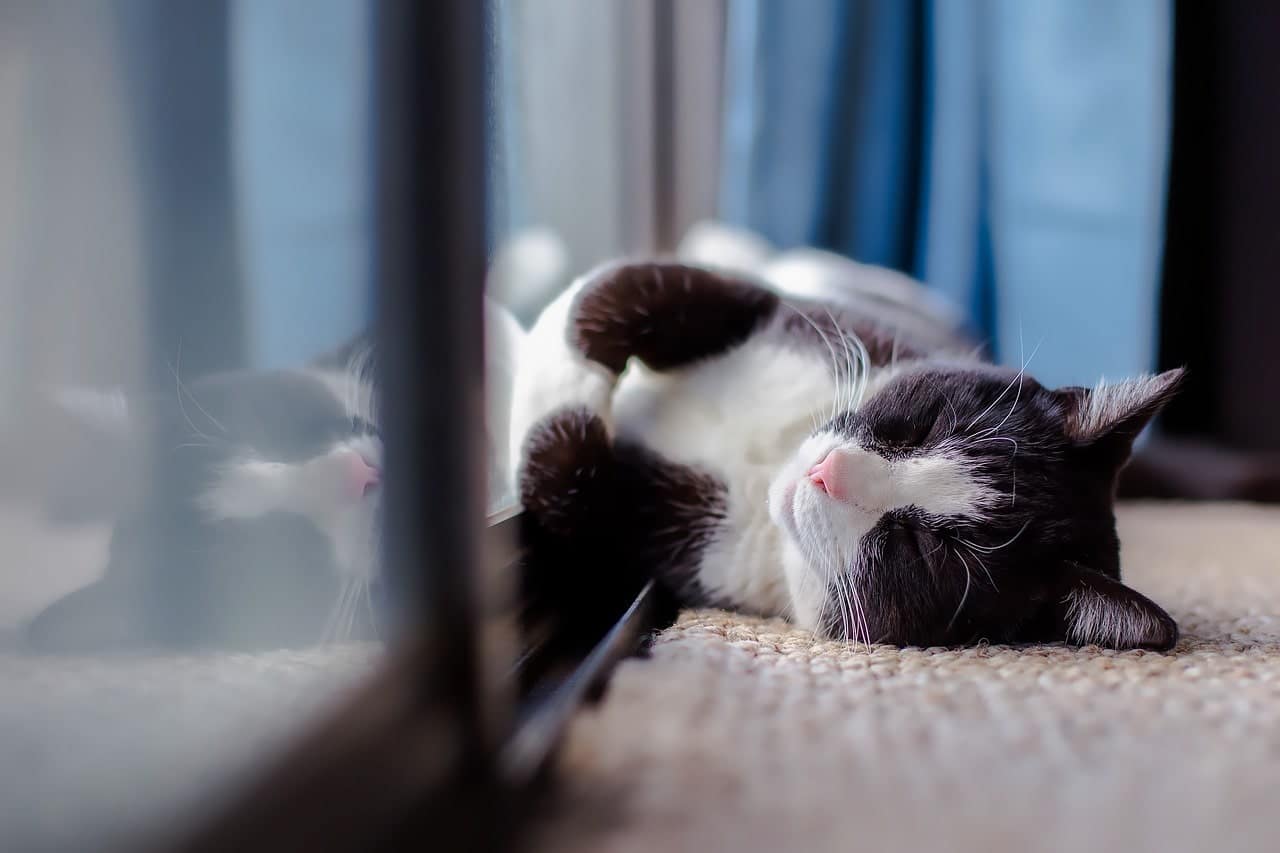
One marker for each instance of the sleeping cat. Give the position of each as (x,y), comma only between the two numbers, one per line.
(245,516)
(848,464)
(245,505)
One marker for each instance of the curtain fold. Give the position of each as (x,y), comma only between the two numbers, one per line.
(301,72)
(1012,154)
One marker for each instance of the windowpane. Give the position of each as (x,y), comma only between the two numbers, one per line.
(190,514)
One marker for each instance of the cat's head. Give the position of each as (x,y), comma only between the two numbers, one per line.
(961,503)
(233,452)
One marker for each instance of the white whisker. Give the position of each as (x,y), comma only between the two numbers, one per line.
(368,600)
(1016,380)
(968,579)
(987,549)
(835,364)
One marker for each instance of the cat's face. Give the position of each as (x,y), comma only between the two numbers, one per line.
(246,509)
(968,503)
(305,444)
(236,452)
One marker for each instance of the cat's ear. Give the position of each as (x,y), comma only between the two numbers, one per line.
(1111,415)
(1089,608)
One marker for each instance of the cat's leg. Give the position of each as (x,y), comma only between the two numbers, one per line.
(569,474)
(603,517)
(666,315)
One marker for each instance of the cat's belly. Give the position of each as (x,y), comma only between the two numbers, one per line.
(739,417)
(753,405)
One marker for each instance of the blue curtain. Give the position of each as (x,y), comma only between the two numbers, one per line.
(250,127)
(1011,153)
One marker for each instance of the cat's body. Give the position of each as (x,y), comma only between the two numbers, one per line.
(847,464)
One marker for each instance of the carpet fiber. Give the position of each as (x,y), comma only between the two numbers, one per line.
(749,735)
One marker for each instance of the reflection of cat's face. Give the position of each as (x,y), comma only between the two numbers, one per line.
(249,448)
(954,505)
(248,514)
(308,446)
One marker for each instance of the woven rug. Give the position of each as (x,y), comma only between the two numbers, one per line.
(748,735)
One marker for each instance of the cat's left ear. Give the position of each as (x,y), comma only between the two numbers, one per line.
(1089,608)
(1111,415)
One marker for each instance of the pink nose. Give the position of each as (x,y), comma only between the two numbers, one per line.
(829,474)
(362,478)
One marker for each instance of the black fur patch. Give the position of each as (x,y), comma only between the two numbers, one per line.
(604,518)
(666,315)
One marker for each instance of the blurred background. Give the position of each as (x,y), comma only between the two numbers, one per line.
(1088,180)
(185,182)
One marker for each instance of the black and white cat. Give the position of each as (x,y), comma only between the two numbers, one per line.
(848,464)
(245,505)
(245,510)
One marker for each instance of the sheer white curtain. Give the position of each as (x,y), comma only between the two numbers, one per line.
(582,118)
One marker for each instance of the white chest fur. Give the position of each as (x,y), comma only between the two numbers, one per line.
(738,416)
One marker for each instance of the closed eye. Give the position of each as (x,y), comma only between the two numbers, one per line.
(903,433)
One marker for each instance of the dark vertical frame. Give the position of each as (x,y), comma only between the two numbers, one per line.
(430,106)
(429,266)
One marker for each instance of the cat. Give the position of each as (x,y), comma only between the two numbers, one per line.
(852,465)
(246,508)
(245,505)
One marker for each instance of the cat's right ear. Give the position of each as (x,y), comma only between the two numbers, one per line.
(91,444)
(1108,417)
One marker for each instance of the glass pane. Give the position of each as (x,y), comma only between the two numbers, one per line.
(190,511)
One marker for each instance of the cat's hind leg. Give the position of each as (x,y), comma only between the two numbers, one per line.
(666,315)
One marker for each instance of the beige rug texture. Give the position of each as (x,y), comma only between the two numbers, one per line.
(747,735)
